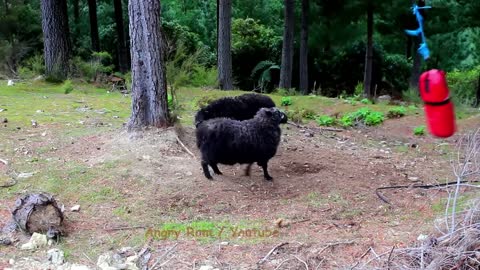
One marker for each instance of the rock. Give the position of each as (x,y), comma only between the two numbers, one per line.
(39,111)
(44,134)
(5,241)
(384,98)
(422,237)
(11,261)
(206,267)
(38,78)
(79,267)
(36,241)
(413,179)
(189,173)
(5,120)
(56,256)
(34,123)
(75,208)
(10,83)
(25,175)
(224,243)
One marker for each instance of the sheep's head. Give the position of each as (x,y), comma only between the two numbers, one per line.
(272,115)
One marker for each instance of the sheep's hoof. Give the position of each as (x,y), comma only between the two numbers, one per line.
(268,178)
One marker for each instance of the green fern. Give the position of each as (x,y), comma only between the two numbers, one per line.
(264,68)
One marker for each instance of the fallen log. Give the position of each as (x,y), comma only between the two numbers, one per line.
(38,213)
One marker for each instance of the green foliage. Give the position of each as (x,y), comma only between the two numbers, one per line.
(396,71)
(365,101)
(286,101)
(396,112)
(346,120)
(294,116)
(463,85)
(67,87)
(262,73)
(358,89)
(412,95)
(419,131)
(325,120)
(374,118)
(308,114)
(203,101)
(96,69)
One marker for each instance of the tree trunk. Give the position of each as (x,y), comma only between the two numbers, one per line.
(55,38)
(149,87)
(92,11)
(122,47)
(5,2)
(304,48)
(408,49)
(287,47)
(224,44)
(477,98)
(367,82)
(417,59)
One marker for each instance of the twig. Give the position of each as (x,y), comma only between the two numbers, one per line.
(4,161)
(304,263)
(88,258)
(163,255)
(361,257)
(278,267)
(271,251)
(125,228)
(390,258)
(336,244)
(184,147)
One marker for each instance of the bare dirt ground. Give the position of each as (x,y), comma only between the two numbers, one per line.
(322,201)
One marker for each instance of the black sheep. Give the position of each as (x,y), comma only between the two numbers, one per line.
(241,107)
(228,141)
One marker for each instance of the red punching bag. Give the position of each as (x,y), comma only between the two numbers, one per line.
(438,107)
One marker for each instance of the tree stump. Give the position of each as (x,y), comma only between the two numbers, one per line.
(38,213)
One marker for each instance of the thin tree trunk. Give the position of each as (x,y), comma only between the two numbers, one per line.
(224,45)
(417,59)
(477,98)
(304,48)
(367,83)
(122,48)
(149,87)
(55,39)
(287,47)
(92,11)
(408,49)
(5,2)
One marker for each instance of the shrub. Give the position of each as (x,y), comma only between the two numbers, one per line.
(374,118)
(67,87)
(463,86)
(308,114)
(396,69)
(325,120)
(419,131)
(346,120)
(365,101)
(396,112)
(286,101)
(412,95)
(294,116)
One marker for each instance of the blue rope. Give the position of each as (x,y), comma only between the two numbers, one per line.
(423,49)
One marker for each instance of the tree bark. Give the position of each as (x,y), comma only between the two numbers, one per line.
(287,47)
(408,49)
(149,87)
(417,59)
(304,48)
(76,11)
(5,2)
(55,39)
(367,82)
(122,47)
(92,11)
(224,53)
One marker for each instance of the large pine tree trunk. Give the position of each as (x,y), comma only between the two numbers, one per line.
(304,48)
(122,47)
(55,38)
(367,82)
(224,51)
(149,87)
(287,47)
(92,11)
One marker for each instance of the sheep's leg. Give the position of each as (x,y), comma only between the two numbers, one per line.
(215,169)
(248,169)
(206,171)
(265,171)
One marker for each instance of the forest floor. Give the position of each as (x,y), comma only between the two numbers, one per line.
(322,202)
